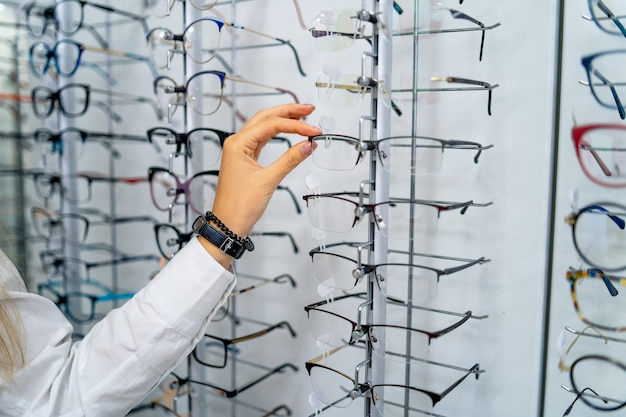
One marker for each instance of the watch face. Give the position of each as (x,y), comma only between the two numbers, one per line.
(198,224)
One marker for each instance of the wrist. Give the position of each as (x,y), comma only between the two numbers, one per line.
(219,235)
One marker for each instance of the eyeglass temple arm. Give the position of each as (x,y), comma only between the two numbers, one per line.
(587,147)
(479,261)
(474,369)
(606,82)
(293,197)
(279,234)
(132,16)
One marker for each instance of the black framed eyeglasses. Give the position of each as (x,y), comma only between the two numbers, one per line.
(599,381)
(72,227)
(54,264)
(153,409)
(337,389)
(179,382)
(333,212)
(212,141)
(72,100)
(77,138)
(599,235)
(342,153)
(213,351)
(333,330)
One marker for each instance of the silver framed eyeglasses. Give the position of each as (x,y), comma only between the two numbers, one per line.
(342,153)
(200,41)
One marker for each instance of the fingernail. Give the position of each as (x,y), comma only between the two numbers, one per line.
(308,148)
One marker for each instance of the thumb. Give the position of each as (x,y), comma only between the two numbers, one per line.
(288,161)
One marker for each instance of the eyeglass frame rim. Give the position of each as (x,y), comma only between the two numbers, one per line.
(572,219)
(577,133)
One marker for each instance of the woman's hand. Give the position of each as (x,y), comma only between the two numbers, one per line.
(244,187)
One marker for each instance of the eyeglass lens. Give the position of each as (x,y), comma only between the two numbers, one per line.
(165,189)
(211,352)
(330,386)
(331,30)
(600,236)
(597,305)
(339,215)
(341,153)
(200,41)
(402,282)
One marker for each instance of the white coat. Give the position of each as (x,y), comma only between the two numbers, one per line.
(125,355)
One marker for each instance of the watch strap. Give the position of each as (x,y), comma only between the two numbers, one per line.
(229,245)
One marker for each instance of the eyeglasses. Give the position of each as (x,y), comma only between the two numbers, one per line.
(598,302)
(204,91)
(587,332)
(166,187)
(78,306)
(38,18)
(333,212)
(73,100)
(341,90)
(599,234)
(212,141)
(76,188)
(456,14)
(224,310)
(153,409)
(333,330)
(601,152)
(341,272)
(199,190)
(342,153)
(605,79)
(478,86)
(604,377)
(41,56)
(603,16)
(77,139)
(71,226)
(338,29)
(200,41)
(55,265)
(337,389)
(212,351)
(180,382)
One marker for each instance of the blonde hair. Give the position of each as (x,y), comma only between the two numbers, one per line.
(11,344)
(11,349)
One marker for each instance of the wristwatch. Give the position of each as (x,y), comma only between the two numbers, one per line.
(226,244)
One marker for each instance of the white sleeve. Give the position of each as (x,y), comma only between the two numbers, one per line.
(127,353)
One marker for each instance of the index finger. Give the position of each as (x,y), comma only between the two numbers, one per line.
(286,111)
